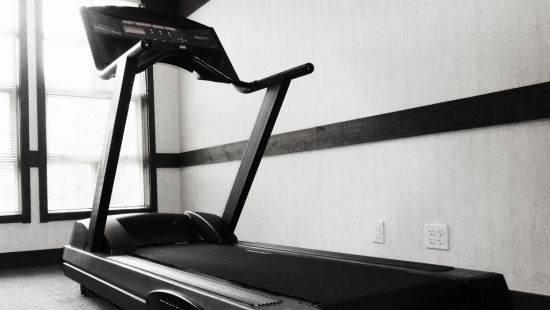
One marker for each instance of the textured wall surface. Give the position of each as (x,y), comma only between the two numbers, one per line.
(492,185)
(168,130)
(371,57)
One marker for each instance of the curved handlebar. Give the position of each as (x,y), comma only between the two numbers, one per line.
(293,73)
(167,50)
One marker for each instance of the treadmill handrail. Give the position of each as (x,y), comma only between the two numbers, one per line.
(138,48)
(290,74)
(143,55)
(164,50)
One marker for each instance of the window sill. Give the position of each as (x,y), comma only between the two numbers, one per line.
(78,215)
(12,218)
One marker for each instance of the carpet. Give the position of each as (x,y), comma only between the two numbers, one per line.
(44,287)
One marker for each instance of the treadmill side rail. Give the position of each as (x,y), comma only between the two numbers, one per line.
(126,281)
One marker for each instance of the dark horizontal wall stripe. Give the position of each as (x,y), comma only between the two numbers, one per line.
(30,258)
(503,107)
(216,154)
(166,160)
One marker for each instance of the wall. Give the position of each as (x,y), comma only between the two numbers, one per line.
(490,185)
(167,131)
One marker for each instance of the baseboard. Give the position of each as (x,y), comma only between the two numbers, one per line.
(30,258)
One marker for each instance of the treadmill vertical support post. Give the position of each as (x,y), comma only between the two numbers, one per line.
(122,92)
(254,151)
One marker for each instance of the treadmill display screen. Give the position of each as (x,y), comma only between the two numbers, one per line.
(154,32)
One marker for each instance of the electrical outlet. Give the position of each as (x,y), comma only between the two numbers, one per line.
(436,236)
(378,236)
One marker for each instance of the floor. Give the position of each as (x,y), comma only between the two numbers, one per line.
(44,287)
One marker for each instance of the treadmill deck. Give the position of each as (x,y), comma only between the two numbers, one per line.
(331,283)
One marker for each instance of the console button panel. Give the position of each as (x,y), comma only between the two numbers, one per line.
(198,37)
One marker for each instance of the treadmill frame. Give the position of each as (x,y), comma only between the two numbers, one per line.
(128,285)
(127,66)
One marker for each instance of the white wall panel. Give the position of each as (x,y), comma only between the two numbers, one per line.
(167,108)
(168,190)
(491,185)
(371,57)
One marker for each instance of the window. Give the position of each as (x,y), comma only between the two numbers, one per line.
(77,105)
(9,67)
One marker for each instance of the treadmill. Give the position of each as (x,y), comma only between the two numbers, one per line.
(194,260)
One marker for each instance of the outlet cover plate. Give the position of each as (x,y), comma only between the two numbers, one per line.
(436,236)
(378,232)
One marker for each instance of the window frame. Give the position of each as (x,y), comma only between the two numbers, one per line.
(22,119)
(148,134)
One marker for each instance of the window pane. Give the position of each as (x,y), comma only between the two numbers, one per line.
(71,186)
(132,143)
(9,169)
(8,16)
(7,128)
(9,188)
(128,189)
(67,66)
(70,66)
(61,18)
(77,110)
(76,127)
(7,60)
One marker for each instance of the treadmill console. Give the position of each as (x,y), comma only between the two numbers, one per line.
(196,37)
(111,31)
